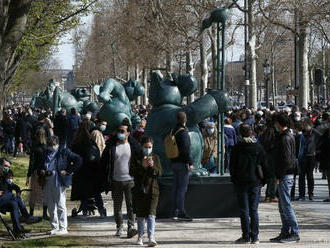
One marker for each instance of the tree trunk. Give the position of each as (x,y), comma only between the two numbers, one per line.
(252,57)
(169,62)
(190,70)
(145,85)
(137,77)
(303,68)
(203,64)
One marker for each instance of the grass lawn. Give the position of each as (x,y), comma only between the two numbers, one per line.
(19,167)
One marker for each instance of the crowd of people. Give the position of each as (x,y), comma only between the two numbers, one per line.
(263,147)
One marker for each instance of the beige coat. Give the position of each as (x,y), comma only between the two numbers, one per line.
(98,138)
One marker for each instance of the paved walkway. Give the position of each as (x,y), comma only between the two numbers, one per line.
(313,218)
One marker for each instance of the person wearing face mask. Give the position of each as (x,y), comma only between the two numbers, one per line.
(85,181)
(146,169)
(11,203)
(230,142)
(210,147)
(116,159)
(57,165)
(97,135)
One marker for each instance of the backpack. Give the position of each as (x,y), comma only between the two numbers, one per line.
(171,147)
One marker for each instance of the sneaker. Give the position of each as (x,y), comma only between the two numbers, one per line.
(267,199)
(300,199)
(184,217)
(242,241)
(33,220)
(279,237)
(255,242)
(119,232)
(140,240)
(61,232)
(152,242)
(290,239)
(52,232)
(131,232)
(273,199)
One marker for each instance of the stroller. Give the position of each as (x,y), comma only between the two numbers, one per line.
(91,207)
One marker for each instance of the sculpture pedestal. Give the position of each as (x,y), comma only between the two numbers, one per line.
(207,197)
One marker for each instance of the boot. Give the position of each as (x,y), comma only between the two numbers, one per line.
(44,213)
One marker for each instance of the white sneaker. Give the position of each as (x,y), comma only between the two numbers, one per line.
(119,232)
(140,240)
(61,232)
(152,242)
(52,232)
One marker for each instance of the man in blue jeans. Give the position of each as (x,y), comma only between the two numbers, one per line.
(181,166)
(284,170)
(247,155)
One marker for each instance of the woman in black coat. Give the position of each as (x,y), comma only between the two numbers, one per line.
(85,183)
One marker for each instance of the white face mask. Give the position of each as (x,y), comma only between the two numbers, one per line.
(10,181)
(88,116)
(210,131)
(55,148)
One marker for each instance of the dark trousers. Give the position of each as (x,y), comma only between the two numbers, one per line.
(181,181)
(98,201)
(119,190)
(271,188)
(327,173)
(306,169)
(248,201)
(227,157)
(8,202)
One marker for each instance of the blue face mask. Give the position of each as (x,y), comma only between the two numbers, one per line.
(147,151)
(121,136)
(102,128)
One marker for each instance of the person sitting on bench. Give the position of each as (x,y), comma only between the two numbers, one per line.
(9,202)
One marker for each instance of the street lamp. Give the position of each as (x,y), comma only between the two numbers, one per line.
(218,16)
(267,72)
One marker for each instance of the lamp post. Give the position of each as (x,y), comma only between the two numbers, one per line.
(267,72)
(218,16)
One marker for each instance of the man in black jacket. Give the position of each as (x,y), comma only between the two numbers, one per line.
(181,166)
(115,161)
(284,170)
(248,172)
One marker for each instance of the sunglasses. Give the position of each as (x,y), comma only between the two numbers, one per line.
(121,131)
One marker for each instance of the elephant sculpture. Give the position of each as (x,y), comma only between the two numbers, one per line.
(116,99)
(166,97)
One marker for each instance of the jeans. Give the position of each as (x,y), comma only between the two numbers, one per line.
(120,189)
(150,225)
(8,202)
(22,207)
(56,202)
(248,201)
(181,181)
(9,142)
(288,217)
(98,202)
(306,169)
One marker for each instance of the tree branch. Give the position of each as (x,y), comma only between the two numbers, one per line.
(84,8)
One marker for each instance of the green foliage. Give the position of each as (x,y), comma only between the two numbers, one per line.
(48,22)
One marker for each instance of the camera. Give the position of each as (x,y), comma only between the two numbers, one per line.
(48,173)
